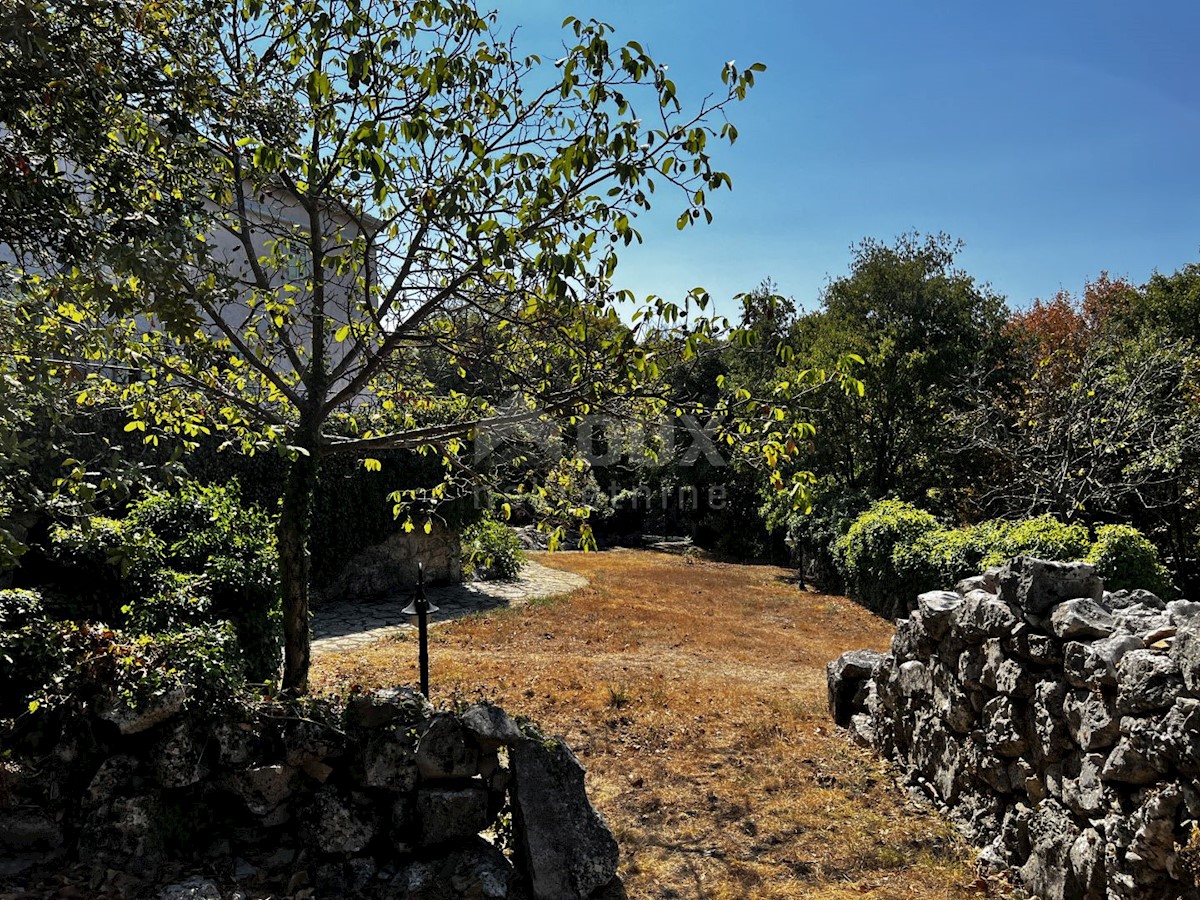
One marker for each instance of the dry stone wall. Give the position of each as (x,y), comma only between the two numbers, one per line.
(380,797)
(389,568)
(1057,724)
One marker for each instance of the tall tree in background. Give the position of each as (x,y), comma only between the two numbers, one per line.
(1101,428)
(925,330)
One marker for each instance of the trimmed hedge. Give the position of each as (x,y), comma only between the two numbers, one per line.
(894,551)
(1125,559)
(868,556)
(1043,537)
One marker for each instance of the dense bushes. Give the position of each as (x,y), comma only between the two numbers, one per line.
(192,557)
(1126,559)
(1043,537)
(894,551)
(870,549)
(492,550)
(50,666)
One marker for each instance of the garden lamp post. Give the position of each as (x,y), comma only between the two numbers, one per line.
(419,610)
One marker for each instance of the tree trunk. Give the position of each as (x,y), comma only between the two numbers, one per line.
(295,519)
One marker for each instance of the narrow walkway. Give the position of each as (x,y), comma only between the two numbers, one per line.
(349,625)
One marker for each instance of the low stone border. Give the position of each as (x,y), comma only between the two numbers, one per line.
(344,626)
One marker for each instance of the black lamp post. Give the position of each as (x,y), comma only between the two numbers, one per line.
(420,609)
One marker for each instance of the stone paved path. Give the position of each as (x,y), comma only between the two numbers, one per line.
(349,625)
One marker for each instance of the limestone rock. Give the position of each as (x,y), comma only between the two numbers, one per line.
(490,726)
(448,814)
(1141,619)
(950,697)
(844,677)
(178,759)
(1177,738)
(914,683)
(28,829)
(1186,653)
(1081,618)
(565,847)
(1094,664)
(1083,788)
(974,583)
(390,761)
(127,835)
(1119,600)
(444,750)
(1091,719)
(475,870)
(264,788)
(937,611)
(1133,760)
(981,616)
(1048,872)
(235,742)
(1153,843)
(332,824)
(971,663)
(911,641)
(1146,680)
(196,888)
(1032,646)
(1003,728)
(1183,613)
(152,712)
(1087,859)
(1050,738)
(1036,585)
(386,706)
(116,775)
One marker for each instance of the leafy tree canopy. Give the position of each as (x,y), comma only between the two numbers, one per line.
(368,200)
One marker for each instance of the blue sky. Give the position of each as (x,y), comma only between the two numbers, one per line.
(1056,139)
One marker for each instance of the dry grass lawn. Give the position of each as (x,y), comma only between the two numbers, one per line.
(694,694)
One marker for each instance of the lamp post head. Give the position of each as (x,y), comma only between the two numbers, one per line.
(419,605)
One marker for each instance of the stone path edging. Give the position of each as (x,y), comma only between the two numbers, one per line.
(352,625)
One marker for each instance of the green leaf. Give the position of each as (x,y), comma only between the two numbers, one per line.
(372,465)
(34,705)
(342,333)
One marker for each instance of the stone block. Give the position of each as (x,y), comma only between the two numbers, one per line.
(451,813)
(1147,680)
(564,846)
(1036,585)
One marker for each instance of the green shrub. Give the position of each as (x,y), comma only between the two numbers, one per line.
(19,608)
(1125,559)
(813,537)
(492,550)
(187,557)
(939,559)
(20,616)
(180,600)
(207,531)
(867,556)
(84,665)
(103,563)
(1043,537)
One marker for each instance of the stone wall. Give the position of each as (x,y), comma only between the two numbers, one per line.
(389,568)
(1057,724)
(380,797)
